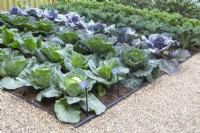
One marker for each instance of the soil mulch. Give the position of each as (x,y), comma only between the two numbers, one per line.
(111,98)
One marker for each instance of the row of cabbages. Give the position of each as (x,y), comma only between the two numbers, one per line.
(91,52)
(156,42)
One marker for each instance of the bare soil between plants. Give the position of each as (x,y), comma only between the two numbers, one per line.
(29,94)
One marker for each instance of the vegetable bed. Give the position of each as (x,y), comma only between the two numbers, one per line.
(74,68)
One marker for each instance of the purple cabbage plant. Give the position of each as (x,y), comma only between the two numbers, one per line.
(158,43)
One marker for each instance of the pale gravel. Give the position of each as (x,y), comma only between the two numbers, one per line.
(169,105)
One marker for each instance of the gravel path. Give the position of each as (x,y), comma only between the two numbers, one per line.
(171,104)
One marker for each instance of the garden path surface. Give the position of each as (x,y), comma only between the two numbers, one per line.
(171,104)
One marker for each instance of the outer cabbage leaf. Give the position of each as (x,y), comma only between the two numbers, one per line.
(8,37)
(147,68)
(10,83)
(65,112)
(180,54)
(35,12)
(132,81)
(40,56)
(93,103)
(101,90)
(48,93)
(169,66)
(94,28)
(51,14)
(154,75)
(125,35)
(74,20)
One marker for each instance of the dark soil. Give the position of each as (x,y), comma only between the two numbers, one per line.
(29,94)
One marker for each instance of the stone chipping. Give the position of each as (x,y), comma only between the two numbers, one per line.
(169,105)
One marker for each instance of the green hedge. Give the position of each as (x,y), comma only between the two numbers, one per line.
(186,8)
(186,31)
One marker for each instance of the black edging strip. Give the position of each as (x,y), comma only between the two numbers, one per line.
(89,118)
(109,106)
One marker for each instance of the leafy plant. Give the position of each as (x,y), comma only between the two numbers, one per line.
(10,67)
(102,72)
(180,54)
(12,64)
(15,10)
(74,19)
(134,58)
(68,37)
(50,50)
(145,22)
(72,59)
(93,102)
(158,43)
(51,14)
(29,43)
(8,37)
(39,76)
(99,44)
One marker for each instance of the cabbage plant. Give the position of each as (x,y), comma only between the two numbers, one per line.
(49,49)
(35,12)
(65,107)
(10,67)
(51,14)
(4,53)
(99,44)
(134,58)
(158,43)
(125,35)
(14,10)
(94,28)
(70,82)
(39,75)
(69,92)
(68,36)
(8,37)
(28,43)
(72,59)
(74,19)
(12,64)
(102,71)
